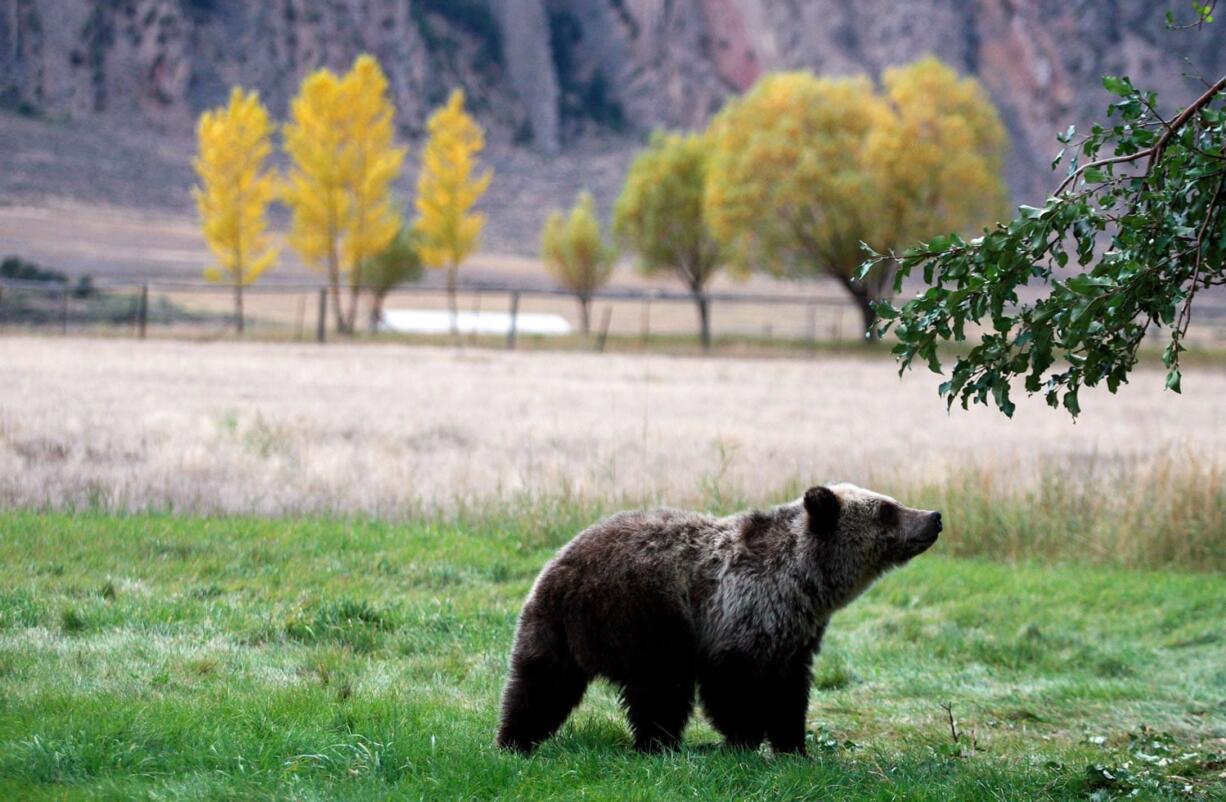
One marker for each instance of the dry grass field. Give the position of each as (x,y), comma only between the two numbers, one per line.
(386,429)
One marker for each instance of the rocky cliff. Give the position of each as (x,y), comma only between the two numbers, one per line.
(549,73)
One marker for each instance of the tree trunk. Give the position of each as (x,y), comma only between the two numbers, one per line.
(354,292)
(704,319)
(869,315)
(376,311)
(451,301)
(585,314)
(334,287)
(238,307)
(864,302)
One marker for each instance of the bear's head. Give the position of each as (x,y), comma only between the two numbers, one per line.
(857,535)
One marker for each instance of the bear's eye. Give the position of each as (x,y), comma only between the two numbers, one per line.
(888,514)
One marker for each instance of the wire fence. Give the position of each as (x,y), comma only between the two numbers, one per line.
(303,312)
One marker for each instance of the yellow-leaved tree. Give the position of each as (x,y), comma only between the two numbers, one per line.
(447,189)
(942,156)
(235,190)
(315,192)
(576,253)
(373,163)
(806,169)
(341,144)
(660,214)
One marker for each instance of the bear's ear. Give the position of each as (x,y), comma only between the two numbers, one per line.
(823,507)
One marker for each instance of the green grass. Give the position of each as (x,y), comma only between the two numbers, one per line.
(163,657)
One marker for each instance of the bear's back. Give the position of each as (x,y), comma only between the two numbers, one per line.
(662,554)
(666,541)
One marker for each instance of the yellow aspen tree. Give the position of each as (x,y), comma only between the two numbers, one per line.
(447,189)
(577,255)
(234,192)
(315,193)
(340,142)
(372,162)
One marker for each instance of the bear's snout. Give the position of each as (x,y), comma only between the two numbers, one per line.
(931,530)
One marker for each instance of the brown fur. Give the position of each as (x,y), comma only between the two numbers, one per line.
(664,601)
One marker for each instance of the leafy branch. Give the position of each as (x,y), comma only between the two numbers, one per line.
(1204,15)
(1146,226)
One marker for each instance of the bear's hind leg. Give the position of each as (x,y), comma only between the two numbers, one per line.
(658,711)
(539,696)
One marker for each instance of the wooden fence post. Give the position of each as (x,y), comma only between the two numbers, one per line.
(603,334)
(301,317)
(321,321)
(514,320)
(811,325)
(645,323)
(142,311)
(472,338)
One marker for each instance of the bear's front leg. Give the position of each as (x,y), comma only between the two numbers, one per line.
(787,706)
(733,699)
(658,710)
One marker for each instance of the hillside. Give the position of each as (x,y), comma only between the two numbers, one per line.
(566,88)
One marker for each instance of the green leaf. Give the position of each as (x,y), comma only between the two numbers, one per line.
(1173,380)
(885,309)
(1169,353)
(1118,86)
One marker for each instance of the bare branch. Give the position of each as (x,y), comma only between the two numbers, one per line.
(948,707)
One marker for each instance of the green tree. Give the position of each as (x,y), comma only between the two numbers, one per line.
(660,214)
(576,254)
(805,169)
(396,264)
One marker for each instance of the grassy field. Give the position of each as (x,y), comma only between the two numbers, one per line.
(166,657)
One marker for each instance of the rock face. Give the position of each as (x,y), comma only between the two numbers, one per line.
(552,72)
(528,55)
(166,60)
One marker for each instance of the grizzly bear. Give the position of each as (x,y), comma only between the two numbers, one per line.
(661,602)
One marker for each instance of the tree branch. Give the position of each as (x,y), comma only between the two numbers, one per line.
(1185,314)
(1154,151)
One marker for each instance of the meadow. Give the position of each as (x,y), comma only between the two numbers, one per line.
(160,657)
(259,570)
